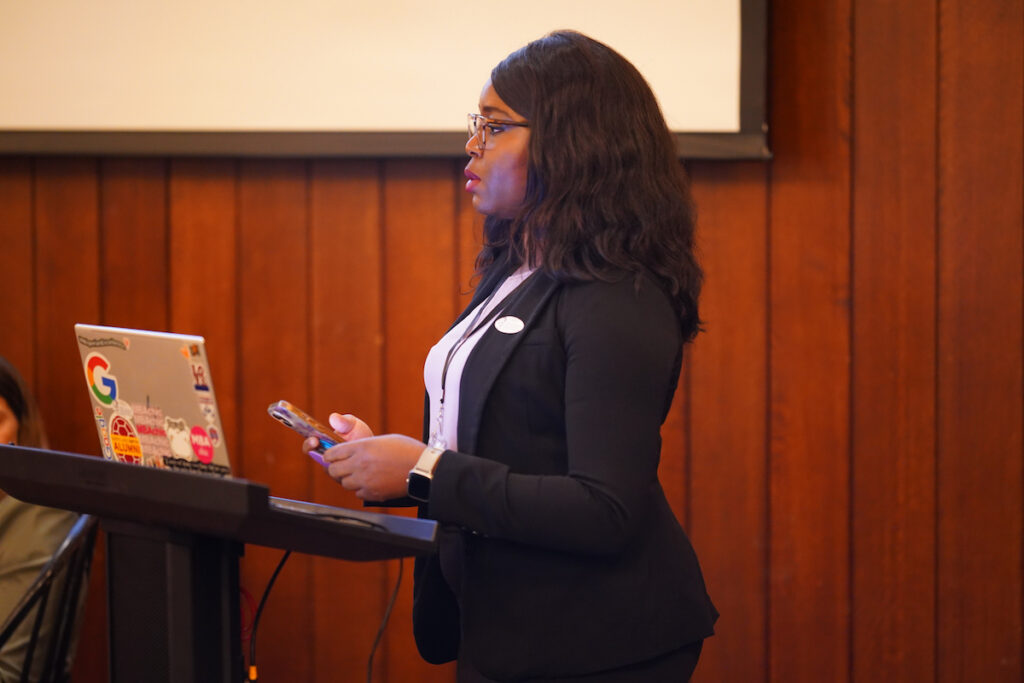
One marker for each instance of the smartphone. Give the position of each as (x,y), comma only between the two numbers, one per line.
(290,416)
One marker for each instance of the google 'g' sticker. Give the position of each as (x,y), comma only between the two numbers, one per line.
(102,383)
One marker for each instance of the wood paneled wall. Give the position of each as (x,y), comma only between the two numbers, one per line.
(846,450)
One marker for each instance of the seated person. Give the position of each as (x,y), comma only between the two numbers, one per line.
(29,534)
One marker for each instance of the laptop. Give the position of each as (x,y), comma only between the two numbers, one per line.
(152,399)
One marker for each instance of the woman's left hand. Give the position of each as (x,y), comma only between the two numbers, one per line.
(377,467)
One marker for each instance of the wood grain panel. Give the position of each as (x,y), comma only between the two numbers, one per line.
(67,277)
(66,269)
(420,277)
(347,296)
(980,384)
(809,343)
(421,274)
(274,364)
(854,484)
(893,620)
(202,273)
(728,417)
(17,341)
(202,283)
(133,224)
(672,468)
(347,340)
(133,275)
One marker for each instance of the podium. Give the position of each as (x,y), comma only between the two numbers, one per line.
(173,544)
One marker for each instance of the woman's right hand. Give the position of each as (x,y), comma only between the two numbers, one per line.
(348,426)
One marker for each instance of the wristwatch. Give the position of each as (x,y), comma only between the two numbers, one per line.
(420,476)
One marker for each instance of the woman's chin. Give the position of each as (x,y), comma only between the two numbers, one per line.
(480,205)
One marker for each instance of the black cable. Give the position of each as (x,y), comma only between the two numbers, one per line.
(253,675)
(253,672)
(384,621)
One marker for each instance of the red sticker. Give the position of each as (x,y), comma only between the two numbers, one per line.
(201,444)
(125,440)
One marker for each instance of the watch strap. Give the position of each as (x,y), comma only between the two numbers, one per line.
(427,462)
(422,474)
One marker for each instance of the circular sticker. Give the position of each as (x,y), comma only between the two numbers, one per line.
(509,324)
(125,440)
(201,444)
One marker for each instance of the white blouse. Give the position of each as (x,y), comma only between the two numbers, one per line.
(433,369)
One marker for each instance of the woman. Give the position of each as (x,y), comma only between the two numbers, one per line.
(29,534)
(560,557)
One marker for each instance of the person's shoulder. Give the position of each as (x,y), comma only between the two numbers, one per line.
(14,511)
(621,288)
(628,300)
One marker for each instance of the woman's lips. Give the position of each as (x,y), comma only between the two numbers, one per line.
(472,180)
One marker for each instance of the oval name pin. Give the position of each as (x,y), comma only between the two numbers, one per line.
(509,324)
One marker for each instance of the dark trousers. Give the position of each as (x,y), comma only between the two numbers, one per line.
(674,667)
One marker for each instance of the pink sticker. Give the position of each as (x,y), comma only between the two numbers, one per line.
(201,444)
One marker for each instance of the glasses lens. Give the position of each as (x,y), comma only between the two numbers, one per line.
(478,127)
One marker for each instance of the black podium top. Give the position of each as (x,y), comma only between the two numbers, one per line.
(235,509)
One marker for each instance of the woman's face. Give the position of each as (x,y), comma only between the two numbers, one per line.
(497,175)
(8,423)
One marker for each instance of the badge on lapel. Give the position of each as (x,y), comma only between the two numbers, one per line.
(509,324)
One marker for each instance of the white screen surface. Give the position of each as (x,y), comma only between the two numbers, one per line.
(315,65)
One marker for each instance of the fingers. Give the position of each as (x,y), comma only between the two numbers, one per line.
(349,426)
(343,424)
(345,469)
(342,451)
(343,473)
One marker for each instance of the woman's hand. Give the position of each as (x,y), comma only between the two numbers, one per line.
(375,467)
(349,427)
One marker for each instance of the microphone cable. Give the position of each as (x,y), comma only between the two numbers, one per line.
(253,673)
(384,621)
(253,670)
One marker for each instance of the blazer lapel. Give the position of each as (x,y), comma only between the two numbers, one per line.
(492,351)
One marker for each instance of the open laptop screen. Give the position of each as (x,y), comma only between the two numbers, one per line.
(152,398)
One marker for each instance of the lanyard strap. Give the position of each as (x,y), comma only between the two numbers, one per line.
(475,325)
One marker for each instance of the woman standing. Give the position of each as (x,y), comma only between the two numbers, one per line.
(560,557)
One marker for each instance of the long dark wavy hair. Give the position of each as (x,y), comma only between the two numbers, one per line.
(606,195)
(15,391)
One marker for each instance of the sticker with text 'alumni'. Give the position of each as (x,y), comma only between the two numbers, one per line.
(125,440)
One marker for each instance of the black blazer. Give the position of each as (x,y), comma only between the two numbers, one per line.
(562,551)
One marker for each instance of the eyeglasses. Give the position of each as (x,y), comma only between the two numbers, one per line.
(483,127)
